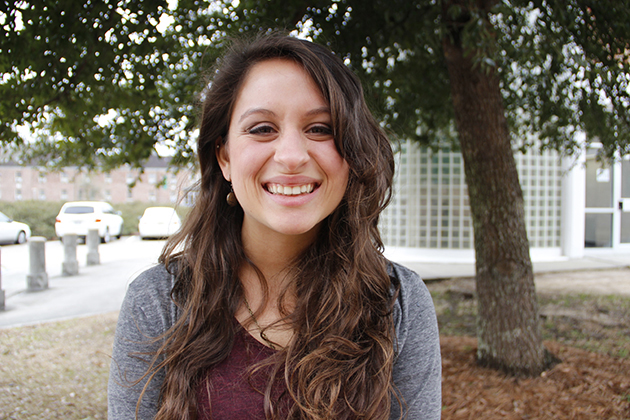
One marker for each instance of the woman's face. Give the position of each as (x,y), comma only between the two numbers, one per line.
(280,153)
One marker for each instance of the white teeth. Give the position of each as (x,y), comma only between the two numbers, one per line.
(288,190)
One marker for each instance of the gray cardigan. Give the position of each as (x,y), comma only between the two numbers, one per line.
(148,311)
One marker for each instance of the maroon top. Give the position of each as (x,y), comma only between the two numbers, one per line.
(230,392)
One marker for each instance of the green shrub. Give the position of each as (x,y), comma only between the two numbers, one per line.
(131,212)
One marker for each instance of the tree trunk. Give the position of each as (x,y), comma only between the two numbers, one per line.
(508,330)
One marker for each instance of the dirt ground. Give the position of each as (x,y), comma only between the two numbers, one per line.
(586,328)
(59,370)
(584,386)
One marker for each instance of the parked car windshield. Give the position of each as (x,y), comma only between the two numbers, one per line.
(4,218)
(79,210)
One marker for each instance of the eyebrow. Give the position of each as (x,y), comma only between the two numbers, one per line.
(252,111)
(265,111)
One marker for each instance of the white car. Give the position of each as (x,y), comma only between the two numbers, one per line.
(78,217)
(12,232)
(158,222)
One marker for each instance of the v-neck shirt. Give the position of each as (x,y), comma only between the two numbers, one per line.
(232,391)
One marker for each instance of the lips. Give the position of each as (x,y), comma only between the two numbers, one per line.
(290,190)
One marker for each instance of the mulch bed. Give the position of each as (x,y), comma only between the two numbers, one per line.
(584,385)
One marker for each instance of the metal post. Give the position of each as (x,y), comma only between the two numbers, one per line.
(92,241)
(70,265)
(37,279)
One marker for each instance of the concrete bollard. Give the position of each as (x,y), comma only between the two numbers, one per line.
(92,241)
(70,265)
(37,279)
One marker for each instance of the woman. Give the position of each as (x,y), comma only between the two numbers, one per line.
(274,300)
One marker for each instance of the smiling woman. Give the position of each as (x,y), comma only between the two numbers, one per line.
(274,300)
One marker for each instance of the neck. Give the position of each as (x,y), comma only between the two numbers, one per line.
(273,255)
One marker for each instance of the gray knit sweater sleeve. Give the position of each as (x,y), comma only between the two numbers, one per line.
(418,365)
(147,312)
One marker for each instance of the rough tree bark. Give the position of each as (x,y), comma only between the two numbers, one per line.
(508,330)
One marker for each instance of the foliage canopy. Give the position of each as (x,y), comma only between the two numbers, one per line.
(104,82)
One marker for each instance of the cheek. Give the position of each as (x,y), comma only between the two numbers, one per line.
(337,166)
(247,162)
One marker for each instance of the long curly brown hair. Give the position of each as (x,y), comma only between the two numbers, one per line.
(339,362)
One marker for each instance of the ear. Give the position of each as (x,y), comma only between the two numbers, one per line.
(223,158)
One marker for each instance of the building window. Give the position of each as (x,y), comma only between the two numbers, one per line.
(108,195)
(18,194)
(152,196)
(64,194)
(41,178)
(108,178)
(64,178)
(42,195)
(431,203)
(152,179)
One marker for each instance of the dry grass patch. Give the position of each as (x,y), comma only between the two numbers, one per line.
(56,370)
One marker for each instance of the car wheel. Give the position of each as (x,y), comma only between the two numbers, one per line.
(106,237)
(21,238)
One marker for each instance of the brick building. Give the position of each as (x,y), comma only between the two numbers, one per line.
(158,184)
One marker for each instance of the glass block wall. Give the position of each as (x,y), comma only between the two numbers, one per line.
(430,204)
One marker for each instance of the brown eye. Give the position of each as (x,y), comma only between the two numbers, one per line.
(261,129)
(321,130)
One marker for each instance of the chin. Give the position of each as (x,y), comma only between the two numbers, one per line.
(295,229)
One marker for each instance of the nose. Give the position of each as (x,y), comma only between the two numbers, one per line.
(291,150)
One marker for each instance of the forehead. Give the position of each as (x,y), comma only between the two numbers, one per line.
(275,76)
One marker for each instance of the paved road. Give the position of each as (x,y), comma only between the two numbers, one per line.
(96,289)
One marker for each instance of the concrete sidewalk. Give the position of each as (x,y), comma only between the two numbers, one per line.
(434,271)
(101,288)
(598,272)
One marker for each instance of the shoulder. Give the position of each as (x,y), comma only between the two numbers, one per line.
(146,314)
(155,282)
(413,311)
(417,367)
(149,298)
(413,295)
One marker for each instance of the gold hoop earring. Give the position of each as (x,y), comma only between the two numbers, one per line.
(231,197)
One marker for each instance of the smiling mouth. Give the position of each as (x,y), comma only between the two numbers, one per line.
(290,190)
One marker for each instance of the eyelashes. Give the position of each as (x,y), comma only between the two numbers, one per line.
(317,130)
(321,129)
(261,130)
